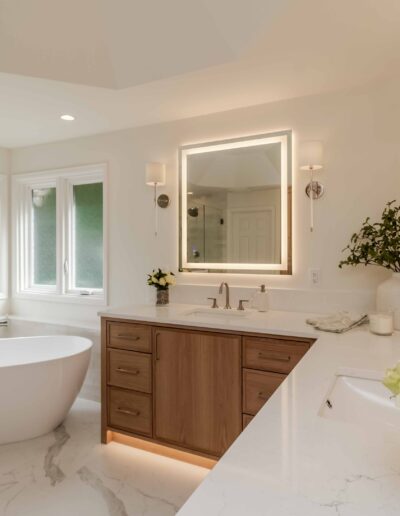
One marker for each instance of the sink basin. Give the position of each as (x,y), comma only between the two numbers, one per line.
(362,399)
(218,313)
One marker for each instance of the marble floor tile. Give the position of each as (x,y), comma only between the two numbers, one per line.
(69,473)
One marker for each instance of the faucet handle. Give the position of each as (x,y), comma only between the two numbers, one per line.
(241,301)
(214,300)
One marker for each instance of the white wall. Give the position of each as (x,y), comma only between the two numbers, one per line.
(361,134)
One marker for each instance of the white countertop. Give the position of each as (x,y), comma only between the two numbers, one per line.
(272,322)
(290,461)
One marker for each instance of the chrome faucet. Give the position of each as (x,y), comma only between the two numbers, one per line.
(221,288)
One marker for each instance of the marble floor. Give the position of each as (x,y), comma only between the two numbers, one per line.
(69,473)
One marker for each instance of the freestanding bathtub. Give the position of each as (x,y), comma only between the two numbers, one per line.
(40,378)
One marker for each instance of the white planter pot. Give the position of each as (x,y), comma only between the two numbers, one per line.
(388,298)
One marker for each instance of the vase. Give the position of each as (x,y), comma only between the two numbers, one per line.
(162,297)
(388,298)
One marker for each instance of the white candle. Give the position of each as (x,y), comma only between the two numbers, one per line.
(381,323)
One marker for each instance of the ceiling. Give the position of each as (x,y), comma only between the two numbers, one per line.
(124,63)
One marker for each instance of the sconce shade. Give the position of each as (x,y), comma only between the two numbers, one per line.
(155,174)
(311,155)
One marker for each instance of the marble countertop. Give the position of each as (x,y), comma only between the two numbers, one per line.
(290,461)
(272,322)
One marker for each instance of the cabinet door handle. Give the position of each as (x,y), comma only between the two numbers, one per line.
(134,413)
(157,355)
(127,336)
(134,372)
(262,396)
(274,356)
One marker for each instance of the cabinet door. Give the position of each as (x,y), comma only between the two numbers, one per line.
(197,392)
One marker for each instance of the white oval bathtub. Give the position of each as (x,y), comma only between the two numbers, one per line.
(40,378)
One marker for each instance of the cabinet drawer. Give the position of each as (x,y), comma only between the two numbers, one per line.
(130,411)
(129,370)
(258,386)
(246,418)
(134,337)
(272,354)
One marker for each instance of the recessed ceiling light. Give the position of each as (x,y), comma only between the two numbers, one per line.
(190,193)
(69,118)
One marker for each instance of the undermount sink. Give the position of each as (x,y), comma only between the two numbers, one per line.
(217,313)
(361,398)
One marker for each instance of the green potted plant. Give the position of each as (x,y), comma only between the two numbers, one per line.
(392,382)
(378,244)
(162,280)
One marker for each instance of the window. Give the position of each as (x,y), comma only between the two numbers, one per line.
(60,233)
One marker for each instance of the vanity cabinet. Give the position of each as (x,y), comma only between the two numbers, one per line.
(192,389)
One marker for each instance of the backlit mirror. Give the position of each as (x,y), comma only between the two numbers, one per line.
(235,205)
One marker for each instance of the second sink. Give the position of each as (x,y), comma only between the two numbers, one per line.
(361,398)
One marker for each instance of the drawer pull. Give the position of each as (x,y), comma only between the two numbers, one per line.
(129,412)
(127,336)
(263,396)
(274,356)
(133,372)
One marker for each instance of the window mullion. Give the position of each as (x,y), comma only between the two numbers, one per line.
(68,262)
(28,238)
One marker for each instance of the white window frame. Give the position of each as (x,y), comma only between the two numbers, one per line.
(64,181)
(3,237)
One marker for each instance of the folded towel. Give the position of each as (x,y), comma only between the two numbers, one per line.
(339,322)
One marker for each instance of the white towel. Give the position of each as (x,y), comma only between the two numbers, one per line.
(339,322)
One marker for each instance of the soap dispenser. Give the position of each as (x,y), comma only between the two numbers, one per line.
(262,299)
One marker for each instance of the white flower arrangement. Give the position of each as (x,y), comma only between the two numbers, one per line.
(160,279)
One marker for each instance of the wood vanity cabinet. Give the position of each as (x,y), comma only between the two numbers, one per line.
(187,388)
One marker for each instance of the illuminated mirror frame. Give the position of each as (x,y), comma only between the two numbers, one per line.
(285,266)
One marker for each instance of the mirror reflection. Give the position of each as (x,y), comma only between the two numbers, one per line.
(234,205)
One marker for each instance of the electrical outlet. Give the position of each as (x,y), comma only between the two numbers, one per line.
(315,276)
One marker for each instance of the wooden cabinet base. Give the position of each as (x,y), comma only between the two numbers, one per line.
(186,389)
(172,452)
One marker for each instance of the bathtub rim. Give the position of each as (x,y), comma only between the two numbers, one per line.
(86,349)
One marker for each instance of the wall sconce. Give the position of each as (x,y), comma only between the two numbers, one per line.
(311,159)
(155,176)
